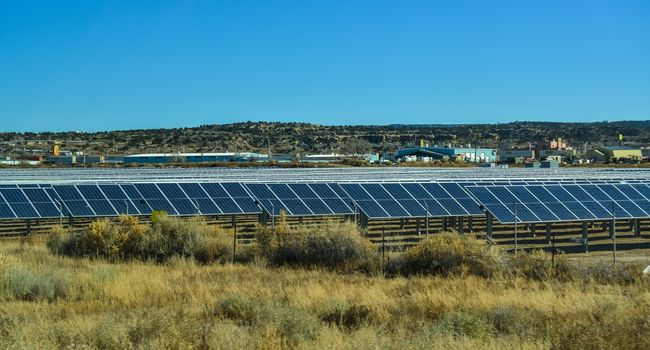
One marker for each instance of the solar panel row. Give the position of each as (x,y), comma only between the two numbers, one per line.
(399,200)
(135,199)
(562,202)
(554,201)
(301,199)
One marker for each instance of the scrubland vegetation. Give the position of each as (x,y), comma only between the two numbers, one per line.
(172,285)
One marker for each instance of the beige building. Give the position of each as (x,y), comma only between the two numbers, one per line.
(614,154)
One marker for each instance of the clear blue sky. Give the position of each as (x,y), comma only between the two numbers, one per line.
(105,65)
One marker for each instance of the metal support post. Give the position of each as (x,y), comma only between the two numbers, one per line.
(514,213)
(585,236)
(470,224)
(637,228)
(426,222)
(383,245)
(488,225)
(548,232)
(234,239)
(553,250)
(460,225)
(613,235)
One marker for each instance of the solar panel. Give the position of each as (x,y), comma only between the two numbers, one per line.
(395,200)
(563,202)
(5,210)
(19,204)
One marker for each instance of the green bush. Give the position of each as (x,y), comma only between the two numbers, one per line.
(239,308)
(465,324)
(18,282)
(511,320)
(293,325)
(331,245)
(448,254)
(345,315)
(128,239)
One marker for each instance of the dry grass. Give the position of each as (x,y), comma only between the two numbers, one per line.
(77,303)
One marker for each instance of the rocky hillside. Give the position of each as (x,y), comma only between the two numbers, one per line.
(314,138)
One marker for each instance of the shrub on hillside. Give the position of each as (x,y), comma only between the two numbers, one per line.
(128,239)
(332,245)
(448,254)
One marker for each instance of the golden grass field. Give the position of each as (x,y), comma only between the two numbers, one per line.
(51,301)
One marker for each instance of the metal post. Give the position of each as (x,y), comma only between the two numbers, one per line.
(548,232)
(553,251)
(426,220)
(585,236)
(613,235)
(234,239)
(488,225)
(514,205)
(273,216)
(383,245)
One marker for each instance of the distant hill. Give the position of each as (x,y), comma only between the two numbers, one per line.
(314,138)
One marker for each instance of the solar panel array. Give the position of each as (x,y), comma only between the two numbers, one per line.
(279,175)
(135,199)
(376,193)
(564,202)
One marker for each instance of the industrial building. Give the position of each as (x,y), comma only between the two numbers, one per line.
(473,155)
(163,158)
(615,154)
